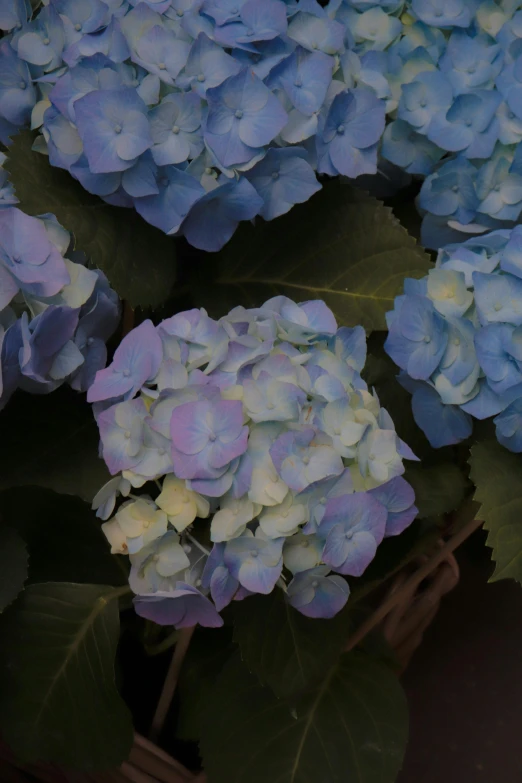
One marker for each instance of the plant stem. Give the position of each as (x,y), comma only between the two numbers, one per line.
(196,543)
(171,680)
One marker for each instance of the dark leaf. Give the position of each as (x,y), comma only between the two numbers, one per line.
(63,537)
(342,246)
(497,475)
(13,565)
(284,649)
(52,441)
(352,727)
(209,650)
(58,698)
(439,489)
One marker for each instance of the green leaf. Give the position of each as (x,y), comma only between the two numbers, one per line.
(497,475)
(352,727)
(51,440)
(138,259)
(286,650)
(439,489)
(63,537)
(209,650)
(58,700)
(342,246)
(13,565)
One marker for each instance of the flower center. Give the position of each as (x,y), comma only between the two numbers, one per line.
(46,41)
(77,27)
(239,113)
(22,85)
(254,553)
(175,129)
(117,129)
(498,307)
(162,66)
(126,373)
(427,339)
(315,583)
(127,435)
(340,130)
(201,77)
(305,543)
(275,175)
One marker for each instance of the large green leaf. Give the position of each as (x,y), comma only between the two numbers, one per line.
(209,650)
(59,701)
(352,728)
(138,259)
(51,440)
(342,246)
(439,489)
(13,565)
(497,475)
(286,650)
(63,537)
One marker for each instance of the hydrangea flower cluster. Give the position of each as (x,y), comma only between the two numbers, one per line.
(457,336)
(55,313)
(261,423)
(201,113)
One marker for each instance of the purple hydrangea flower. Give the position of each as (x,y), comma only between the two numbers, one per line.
(352,526)
(183,607)
(136,361)
(28,259)
(206,437)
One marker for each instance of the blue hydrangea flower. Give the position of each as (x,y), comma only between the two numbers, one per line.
(177,192)
(248,420)
(258,20)
(417,337)
(469,125)
(243,116)
(176,129)
(317,32)
(443,13)
(255,562)
(207,66)
(353,127)
(305,77)
(17,94)
(508,425)
(412,152)
(42,41)
(315,594)
(451,191)
(215,216)
(13,13)
(114,128)
(283,178)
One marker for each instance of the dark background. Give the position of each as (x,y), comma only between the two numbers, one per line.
(464,685)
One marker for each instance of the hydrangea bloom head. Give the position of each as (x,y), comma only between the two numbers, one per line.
(261,423)
(55,314)
(475,291)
